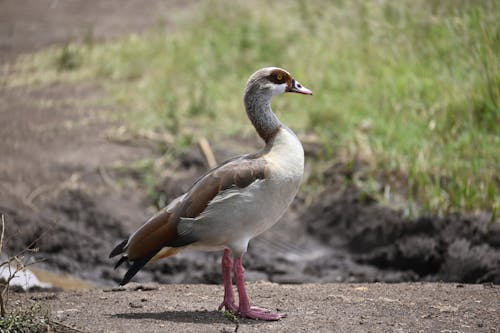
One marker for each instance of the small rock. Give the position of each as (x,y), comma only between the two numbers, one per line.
(134,306)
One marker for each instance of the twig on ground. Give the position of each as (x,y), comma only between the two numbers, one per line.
(2,234)
(229,315)
(107,179)
(72,329)
(207,152)
(142,139)
(19,264)
(52,187)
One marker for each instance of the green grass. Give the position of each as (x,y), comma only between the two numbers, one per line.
(31,319)
(409,89)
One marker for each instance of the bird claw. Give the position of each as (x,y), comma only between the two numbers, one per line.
(256,312)
(230,306)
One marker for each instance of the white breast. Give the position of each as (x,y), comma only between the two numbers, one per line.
(286,156)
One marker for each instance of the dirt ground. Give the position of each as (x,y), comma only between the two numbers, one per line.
(60,185)
(374,307)
(33,24)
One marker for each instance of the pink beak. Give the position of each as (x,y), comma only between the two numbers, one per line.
(296,87)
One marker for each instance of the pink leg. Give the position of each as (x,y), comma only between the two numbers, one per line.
(245,310)
(227,264)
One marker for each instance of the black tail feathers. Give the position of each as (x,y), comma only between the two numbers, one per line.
(121,261)
(136,266)
(119,249)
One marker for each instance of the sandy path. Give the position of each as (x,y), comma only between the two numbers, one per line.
(405,307)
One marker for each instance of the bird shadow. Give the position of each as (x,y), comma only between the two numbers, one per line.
(200,317)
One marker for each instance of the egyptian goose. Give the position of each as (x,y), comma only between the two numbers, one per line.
(232,203)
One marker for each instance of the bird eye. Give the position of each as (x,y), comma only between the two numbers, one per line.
(279,77)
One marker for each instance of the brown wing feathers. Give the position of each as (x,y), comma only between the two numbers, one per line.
(152,236)
(161,230)
(241,174)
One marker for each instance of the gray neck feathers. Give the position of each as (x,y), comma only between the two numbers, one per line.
(258,107)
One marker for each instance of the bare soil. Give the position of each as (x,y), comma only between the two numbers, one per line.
(34,24)
(373,307)
(60,187)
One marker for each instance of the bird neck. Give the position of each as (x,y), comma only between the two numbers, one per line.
(258,107)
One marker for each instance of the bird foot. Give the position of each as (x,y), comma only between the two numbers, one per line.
(259,313)
(229,305)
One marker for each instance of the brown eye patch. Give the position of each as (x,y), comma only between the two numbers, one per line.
(279,77)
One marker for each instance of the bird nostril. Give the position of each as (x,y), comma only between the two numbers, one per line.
(299,86)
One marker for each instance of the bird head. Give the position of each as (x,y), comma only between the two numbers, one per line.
(275,81)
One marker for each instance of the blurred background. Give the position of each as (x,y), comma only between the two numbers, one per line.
(111,109)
